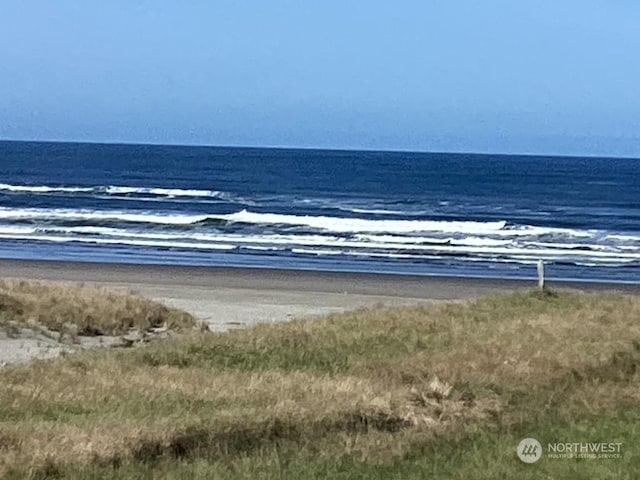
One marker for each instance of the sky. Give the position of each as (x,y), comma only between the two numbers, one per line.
(525,76)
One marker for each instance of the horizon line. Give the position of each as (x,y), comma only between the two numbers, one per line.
(317,148)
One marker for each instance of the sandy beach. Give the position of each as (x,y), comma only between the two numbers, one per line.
(225,297)
(233,297)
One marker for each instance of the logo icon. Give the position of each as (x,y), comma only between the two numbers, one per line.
(529,450)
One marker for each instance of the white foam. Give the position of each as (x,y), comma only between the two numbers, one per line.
(381,211)
(461,246)
(169,192)
(261,249)
(16,230)
(316,245)
(123,241)
(400,239)
(43,188)
(404,240)
(568,246)
(533,231)
(623,238)
(479,242)
(535,252)
(70,214)
(316,251)
(84,229)
(356,253)
(195,236)
(359,225)
(115,190)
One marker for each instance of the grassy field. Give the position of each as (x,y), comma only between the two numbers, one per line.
(431,391)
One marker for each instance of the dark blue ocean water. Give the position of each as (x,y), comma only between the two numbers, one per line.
(417,213)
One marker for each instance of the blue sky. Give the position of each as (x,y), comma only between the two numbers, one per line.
(543,76)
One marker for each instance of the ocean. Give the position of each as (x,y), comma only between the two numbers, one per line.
(464,215)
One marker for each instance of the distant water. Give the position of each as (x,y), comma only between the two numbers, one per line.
(417,213)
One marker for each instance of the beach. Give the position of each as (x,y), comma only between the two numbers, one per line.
(231,297)
(330,240)
(226,298)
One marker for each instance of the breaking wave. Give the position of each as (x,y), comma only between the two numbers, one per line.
(357,225)
(120,191)
(414,240)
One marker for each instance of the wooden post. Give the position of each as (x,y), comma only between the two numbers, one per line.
(540,274)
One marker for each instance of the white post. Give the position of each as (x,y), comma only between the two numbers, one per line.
(540,274)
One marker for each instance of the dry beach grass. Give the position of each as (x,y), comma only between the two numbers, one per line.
(85,309)
(443,390)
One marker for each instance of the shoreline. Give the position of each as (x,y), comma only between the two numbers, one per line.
(258,278)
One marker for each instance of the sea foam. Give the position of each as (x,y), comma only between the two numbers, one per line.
(360,225)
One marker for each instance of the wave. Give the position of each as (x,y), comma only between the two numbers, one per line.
(330,224)
(124,241)
(16,230)
(120,191)
(316,251)
(93,215)
(167,192)
(382,211)
(370,206)
(43,188)
(482,233)
(322,235)
(360,225)
(535,231)
(318,245)
(571,246)
(624,238)
(397,239)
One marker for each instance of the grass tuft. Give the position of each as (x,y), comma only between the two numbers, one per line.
(83,309)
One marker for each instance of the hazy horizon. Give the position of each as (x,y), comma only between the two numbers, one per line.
(337,149)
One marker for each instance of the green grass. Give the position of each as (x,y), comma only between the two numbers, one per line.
(429,391)
(481,455)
